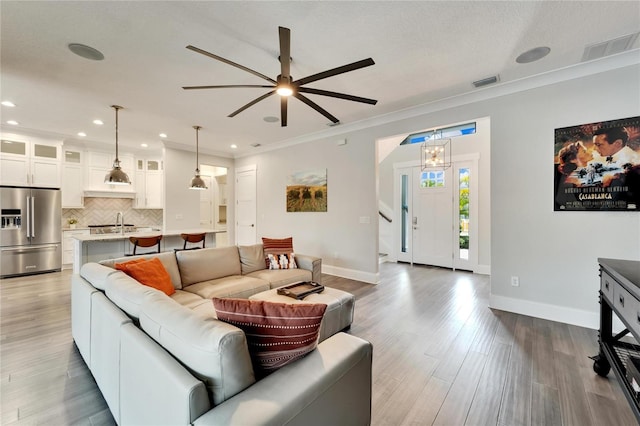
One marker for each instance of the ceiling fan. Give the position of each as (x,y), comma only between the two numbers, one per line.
(285,86)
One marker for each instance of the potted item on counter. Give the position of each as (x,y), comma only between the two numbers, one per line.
(72,222)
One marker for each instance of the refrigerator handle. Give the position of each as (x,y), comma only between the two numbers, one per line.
(28,218)
(33,214)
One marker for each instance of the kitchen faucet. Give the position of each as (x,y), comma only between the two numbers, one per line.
(120,216)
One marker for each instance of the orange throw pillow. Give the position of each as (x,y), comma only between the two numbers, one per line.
(151,273)
(124,266)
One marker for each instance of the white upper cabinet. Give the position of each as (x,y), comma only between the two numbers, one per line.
(100,163)
(149,184)
(30,162)
(72,177)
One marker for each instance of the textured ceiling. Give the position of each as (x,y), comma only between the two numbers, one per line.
(424,51)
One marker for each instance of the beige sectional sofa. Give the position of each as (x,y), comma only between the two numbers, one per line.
(162,359)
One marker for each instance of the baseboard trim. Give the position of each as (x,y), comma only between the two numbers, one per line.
(548,312)
(352,274)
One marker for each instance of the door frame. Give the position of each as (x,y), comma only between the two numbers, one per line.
(250,169)
(473,158)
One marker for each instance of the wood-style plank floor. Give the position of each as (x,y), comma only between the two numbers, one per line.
(441,357)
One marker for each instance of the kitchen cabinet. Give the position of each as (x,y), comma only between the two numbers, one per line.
(25,162)
(67,245)
(149,184)
(100,163)
(72,178)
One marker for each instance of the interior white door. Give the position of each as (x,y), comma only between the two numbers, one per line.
(432,219)
(246,205)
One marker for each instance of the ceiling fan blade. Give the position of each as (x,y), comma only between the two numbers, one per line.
(335,71)
(337,95)
(226,61)
(253,102)
(283,111)
(225,86)
(285,51)
(316,107)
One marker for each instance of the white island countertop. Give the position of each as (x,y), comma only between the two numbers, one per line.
(126,235)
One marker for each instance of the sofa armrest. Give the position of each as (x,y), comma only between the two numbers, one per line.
(330,386)
(311,263)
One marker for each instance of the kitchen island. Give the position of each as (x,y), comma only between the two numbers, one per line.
(96,247)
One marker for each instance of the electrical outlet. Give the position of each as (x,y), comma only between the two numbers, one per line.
(515,281)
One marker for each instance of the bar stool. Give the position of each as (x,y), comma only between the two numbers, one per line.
(193,239)
(145,242)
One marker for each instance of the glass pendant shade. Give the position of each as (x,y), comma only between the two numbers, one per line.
(116,176)
(197,182)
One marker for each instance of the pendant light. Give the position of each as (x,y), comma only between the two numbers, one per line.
(116,176)
(197,182)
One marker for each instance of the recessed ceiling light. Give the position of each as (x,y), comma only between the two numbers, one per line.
(234,146)
(8,104)
(163,135)
(98,122)
(533,55)
(82,134)
(271,119)
(85,51)
(144,145)
(12,122)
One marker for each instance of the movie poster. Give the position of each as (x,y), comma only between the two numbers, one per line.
(597,166)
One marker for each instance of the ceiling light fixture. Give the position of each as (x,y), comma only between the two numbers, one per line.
(533,55)
(12,122)
(197,182)
(8,104)
(82,134)
(98,122)
(163,135)
(85,51)
(233,146)
(436,153)
(144,145)
(116,176)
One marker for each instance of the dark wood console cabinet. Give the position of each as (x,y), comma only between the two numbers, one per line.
(619,294)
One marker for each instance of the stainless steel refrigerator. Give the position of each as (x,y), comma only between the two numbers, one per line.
(30,232)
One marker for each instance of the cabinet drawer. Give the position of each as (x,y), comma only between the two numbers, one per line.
(606,285)
(628,307)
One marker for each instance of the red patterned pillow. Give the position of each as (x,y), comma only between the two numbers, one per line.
(276,247)
(277,333)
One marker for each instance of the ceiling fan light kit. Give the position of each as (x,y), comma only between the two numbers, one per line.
(117,176)
(285,86)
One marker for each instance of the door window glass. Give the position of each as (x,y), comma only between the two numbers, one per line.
(404,203)
(432,179)
(463,213)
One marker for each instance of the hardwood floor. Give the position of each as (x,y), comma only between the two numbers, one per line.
(441,356)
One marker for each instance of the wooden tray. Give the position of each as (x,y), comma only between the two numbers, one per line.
(301,290)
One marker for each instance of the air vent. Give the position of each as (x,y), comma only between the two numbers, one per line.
(486,81)
(610,47)
(255,145)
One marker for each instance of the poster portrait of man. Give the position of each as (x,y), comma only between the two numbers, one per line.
(597,166)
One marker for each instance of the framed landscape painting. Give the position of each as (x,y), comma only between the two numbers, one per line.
(307,191)
(597,166)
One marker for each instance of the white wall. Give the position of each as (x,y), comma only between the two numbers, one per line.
(553,253)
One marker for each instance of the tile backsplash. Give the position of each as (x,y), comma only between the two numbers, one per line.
(99,211)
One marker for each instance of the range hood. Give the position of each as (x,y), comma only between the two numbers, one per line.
(97,193)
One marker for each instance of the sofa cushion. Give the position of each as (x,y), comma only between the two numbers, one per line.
(186,298)
(214,351)
(276,246)
(150,273)
(240,286)
(207,264)
(96,274)
(168,260)
(251,258)
(278,278)
(127,293)
(277,333)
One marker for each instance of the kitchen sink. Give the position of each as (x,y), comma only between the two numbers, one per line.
(111,229)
